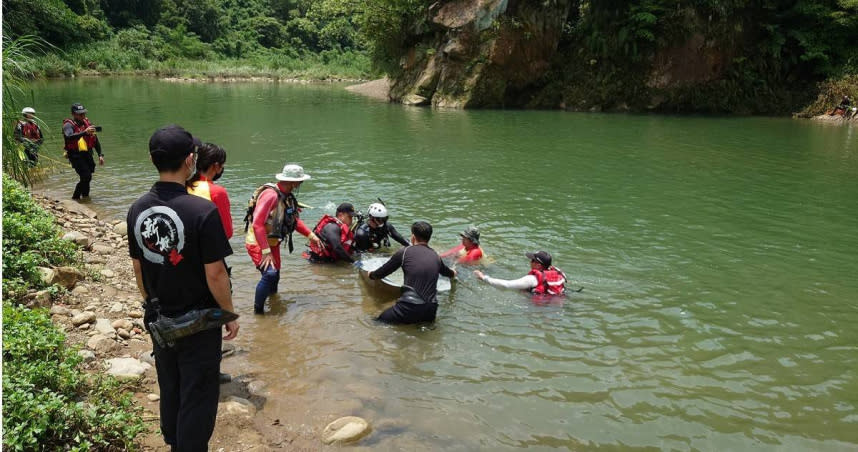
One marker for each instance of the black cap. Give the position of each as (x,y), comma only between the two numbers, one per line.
(78,108)
(346,208)
(172,140)
(540,256)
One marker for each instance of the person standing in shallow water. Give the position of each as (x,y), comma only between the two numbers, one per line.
(421,266)
(273,215)
(177,247)
(80,142)
(28,133)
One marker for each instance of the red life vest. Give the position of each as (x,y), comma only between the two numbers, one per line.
(30,130)
(346,237)
(550,282)
(72,143)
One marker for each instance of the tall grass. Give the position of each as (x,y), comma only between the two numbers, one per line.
(18,57)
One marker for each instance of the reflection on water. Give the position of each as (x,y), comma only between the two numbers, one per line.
(717,256)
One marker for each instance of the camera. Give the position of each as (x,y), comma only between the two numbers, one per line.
(97,128)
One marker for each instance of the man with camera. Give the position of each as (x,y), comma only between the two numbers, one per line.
(80,141)
(177,246)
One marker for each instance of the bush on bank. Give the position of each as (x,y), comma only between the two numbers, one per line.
(31,239)
(48,402)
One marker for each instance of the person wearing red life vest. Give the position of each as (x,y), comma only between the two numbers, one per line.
(337,236)
(543,278)
(80,141)
(273,215)
(28,133)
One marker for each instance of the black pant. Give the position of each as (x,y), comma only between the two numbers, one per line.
(188,375)
(409,313)
(84,166)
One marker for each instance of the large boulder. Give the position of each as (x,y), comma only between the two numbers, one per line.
(67,277)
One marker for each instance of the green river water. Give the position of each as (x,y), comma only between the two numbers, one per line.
(717,256)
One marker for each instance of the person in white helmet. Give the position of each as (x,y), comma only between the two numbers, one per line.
(377,230)
(27,131)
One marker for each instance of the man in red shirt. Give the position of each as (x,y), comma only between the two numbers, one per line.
(274,217)
(469,252)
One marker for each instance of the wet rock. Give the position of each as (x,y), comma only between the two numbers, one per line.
(60,310)
(236,406)
(126,367)
(101,344)
(104,327)
(87,355)
(67,277)
(108,273)
(78,238)
(153,397)
(122,323)
(345,430)
(414,99)
(121,228)
(257,388)
(82,318)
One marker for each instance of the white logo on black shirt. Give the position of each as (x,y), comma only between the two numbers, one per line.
(160,235)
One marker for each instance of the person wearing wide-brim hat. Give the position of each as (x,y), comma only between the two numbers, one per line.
(273,215)
(28,132)
(469,251)
(543,278)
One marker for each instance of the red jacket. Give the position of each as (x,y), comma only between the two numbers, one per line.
(72,144)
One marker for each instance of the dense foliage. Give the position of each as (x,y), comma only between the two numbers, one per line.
(280,37)
(48,402)
(31,239)
(770,53)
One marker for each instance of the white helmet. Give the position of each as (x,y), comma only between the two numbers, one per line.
(29,110)
(377,210)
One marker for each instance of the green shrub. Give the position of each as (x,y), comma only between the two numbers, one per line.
(31,239)
(48,402)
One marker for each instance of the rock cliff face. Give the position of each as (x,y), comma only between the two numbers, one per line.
(480,53)
(506,53)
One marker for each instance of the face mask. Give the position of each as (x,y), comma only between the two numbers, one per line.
(193,168)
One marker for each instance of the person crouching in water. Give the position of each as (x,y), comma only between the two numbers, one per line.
(469,252)
(272,216)
(422,266)
(377,230)
(336,237)
(543,278)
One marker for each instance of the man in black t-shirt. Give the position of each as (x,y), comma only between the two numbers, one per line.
(177,246)
(421,266)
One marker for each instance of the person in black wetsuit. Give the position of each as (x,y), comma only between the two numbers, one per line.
(377,230)
(421,266)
